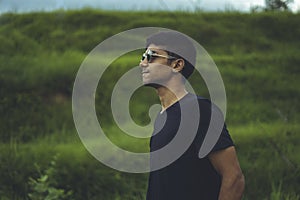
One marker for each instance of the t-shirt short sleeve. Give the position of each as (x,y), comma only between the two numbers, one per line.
(223,140)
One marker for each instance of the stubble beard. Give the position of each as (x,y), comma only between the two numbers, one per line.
(153,85)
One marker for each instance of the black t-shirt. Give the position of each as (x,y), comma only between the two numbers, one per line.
(188,177)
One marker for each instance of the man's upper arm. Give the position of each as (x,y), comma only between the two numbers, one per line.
(225,161)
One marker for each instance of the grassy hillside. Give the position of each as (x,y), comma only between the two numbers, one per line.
(40,53)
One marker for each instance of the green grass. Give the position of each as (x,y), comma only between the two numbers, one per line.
(40,53)
(267,154)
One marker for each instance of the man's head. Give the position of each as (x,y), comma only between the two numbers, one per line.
(176,45)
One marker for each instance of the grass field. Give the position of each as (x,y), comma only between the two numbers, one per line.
(40,152)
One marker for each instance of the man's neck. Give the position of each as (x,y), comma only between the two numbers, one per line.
(168,97)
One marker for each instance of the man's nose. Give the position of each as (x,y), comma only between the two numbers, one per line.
(144,63)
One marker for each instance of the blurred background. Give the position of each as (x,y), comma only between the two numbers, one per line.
(130,5)
(255,45)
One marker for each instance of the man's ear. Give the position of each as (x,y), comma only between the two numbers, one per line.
(178,65)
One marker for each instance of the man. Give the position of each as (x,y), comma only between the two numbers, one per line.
(168,61)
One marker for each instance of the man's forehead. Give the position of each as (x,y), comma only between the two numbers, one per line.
(156,48)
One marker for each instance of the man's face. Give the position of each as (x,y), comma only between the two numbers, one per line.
(156,71)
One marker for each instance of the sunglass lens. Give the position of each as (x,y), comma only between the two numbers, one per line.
(143,57)
(148,56)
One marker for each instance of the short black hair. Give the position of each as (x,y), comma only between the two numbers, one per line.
(177,45)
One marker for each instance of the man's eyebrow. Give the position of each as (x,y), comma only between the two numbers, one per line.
(158,50)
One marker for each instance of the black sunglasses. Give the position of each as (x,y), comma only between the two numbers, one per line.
(150,55)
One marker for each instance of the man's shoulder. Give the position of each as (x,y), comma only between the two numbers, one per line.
(200,100)
(205,104)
